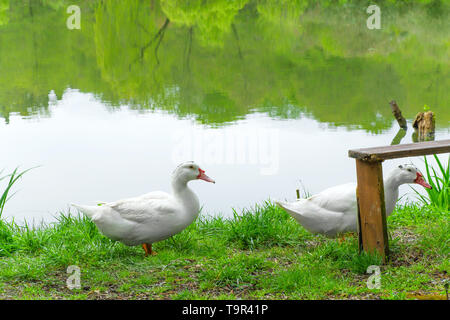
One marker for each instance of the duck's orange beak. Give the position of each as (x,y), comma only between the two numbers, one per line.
(420,180)
(203,176)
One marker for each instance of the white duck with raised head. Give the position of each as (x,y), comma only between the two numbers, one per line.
(334,210)
(152,217)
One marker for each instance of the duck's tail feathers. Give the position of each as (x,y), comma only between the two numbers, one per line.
(288,207)
(279,203)
(89,211)
(293,209)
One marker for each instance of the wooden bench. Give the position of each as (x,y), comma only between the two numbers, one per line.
(370,191)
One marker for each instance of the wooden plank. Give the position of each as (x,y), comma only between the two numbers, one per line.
(371,208)
(401,150)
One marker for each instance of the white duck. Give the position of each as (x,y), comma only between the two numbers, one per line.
(334,210)
(152,217)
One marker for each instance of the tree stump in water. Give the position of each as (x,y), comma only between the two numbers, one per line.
(398,115)
(424,126)
(401,122)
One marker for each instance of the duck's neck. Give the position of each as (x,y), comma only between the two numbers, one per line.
(186,197)
(391,185)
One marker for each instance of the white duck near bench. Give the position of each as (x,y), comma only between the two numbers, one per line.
(334,211)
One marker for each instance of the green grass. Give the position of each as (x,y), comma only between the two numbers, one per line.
(261,253)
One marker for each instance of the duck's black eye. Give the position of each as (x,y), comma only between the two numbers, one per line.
(409,170)
(191,167)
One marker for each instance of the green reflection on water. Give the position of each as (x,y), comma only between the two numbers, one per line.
(217,61)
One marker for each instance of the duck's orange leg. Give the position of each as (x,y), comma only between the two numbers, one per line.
(343,236)
(148,249)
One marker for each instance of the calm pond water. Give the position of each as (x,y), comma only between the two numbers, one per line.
(268,96)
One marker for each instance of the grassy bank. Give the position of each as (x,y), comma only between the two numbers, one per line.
(260,254)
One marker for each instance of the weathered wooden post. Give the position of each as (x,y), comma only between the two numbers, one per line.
(372,229)
(371,207)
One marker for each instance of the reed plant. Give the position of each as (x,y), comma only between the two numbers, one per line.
(439,179)
(11,180)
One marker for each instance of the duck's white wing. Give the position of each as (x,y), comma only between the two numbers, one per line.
(328,212)
(340,198)
(145,208)
(155,195)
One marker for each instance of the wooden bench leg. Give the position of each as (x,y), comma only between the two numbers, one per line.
(372,229)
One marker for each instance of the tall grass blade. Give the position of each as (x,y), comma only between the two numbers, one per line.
(13,177)
(439,179)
